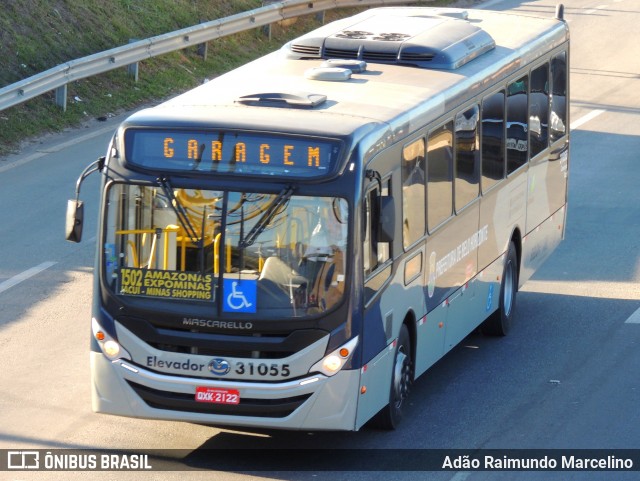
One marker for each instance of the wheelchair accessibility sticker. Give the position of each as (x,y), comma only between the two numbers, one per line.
(240,295)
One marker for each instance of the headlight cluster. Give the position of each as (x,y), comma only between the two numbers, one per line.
(334,361)
(110,347)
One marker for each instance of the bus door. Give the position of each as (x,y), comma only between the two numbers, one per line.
(377,360)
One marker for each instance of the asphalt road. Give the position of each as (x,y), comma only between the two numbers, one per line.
(566,377)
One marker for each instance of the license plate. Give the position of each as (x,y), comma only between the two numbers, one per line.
(217,395)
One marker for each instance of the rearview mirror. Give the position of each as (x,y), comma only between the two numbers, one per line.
(75,218)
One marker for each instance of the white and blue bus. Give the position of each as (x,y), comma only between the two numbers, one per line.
(292,244)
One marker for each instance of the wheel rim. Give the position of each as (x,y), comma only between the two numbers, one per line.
(508,288)
(401,378)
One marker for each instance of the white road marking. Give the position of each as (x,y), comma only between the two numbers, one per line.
(634,318)
(596,289)
(461,476)
(23,276)
(594,10)
(586,118)
(58,147)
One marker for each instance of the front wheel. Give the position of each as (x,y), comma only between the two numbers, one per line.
(401,380)
(499,323)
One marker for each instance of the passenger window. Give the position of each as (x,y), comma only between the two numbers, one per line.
(539,110)
(493,140)
(440,175)
(413,192)
(558,96)
(517,125)
(467,152)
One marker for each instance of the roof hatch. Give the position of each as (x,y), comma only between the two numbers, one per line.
(422,37)
(278,99)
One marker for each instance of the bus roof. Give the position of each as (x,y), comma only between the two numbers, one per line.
(390,94)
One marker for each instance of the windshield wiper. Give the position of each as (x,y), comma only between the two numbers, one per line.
(181,214)
(264,221)
(198,159)
(183,218)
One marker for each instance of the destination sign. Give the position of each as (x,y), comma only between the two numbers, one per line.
(234,152)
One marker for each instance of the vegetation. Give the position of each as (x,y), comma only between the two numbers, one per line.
(36,35)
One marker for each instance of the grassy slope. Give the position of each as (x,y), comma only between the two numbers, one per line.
(36,35)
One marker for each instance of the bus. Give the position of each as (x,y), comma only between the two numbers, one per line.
(291,244)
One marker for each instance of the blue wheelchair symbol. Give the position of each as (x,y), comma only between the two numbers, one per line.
(239,295)
(490,298)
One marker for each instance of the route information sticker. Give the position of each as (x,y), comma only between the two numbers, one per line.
(165,284)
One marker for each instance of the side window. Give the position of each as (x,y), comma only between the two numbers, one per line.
(413,192)
(558,96)
(539,110)
(439,175)
(517,124)
(467,149)
(374,253)
(370,250)
(493,139)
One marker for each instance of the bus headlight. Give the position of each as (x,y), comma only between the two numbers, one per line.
(334,361)
(110,347)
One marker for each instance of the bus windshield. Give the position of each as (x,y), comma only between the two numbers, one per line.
(269,255)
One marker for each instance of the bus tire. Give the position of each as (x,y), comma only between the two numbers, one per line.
(401,379)
(500,322)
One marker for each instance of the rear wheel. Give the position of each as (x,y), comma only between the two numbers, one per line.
(401,380)
(500,322)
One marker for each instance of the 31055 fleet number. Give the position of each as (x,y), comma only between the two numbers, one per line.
(262,369)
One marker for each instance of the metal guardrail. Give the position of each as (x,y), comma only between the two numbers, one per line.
(58,77)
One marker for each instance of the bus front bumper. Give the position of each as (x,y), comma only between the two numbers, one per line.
(315,402)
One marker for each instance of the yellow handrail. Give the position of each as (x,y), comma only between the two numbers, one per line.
(182,239)
(216,254)
(165,255)
(134,253)
(168,230)
(152,252)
